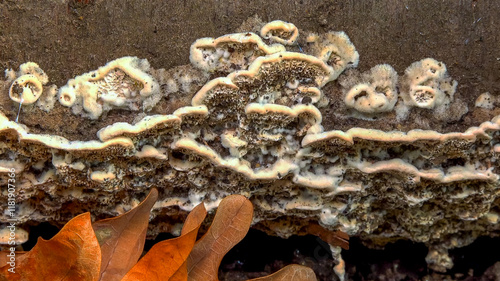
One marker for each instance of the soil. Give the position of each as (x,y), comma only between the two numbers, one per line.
(70,37)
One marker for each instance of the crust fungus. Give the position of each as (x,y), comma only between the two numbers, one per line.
(28,84)
(9,235)
(258,129)
(373,92)
(230,52)
(426,84)
(26,89)
(279,31)
(337,51)
(122,83)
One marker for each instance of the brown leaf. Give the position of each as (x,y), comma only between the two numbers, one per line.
(4,258)
(167,259)
(122,239)
(334,238)
(72,254)
(293,272)
(230,225)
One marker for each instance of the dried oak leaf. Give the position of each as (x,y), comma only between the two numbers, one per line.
(334,238)
(230,225)
(167,259)
(72,254)
(293,272)
(4,258)
(122,239)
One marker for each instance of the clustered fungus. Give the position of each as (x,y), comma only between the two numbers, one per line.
(373,92)
(258,129)
(336,50)
(426,84)
(282,32)
(28,83)
(230,52)
(122,83)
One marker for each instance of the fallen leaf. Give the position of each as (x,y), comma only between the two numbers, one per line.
(191,223)
(230,225)
(166,260)
(72,254)
(122,239)
(334,238)
(4,258)
(293,272)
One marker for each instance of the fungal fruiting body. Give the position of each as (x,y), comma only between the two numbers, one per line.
(122,83)
(261,128)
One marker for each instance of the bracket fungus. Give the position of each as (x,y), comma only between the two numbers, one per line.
(122,83)
(279,31)
(486,101)
(426,84)
(373,92)
(26,89)
(28,84)
(230,52)
(261,128)
(337,51)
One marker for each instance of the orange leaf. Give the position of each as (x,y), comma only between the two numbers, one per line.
(230,225)
(72,254)
(293,272)
(4,256)
(122,239)
(334,238)
(166,260)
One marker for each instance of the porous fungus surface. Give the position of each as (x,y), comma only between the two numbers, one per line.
(270,124)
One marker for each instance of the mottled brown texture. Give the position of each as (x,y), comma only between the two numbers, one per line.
(68,38)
